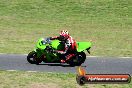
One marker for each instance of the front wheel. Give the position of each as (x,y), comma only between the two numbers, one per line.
(78,59)
(31,56)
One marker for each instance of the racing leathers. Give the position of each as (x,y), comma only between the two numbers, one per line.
(69,50)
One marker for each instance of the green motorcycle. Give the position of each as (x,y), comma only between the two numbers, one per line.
(44,52)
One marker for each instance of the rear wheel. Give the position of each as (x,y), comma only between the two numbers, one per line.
(78,59)
(31,56)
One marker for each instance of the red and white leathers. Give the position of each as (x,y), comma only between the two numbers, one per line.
(70,47)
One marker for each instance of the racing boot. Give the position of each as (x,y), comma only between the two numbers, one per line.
(63,61)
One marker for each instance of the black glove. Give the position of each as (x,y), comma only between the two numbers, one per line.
(49,38)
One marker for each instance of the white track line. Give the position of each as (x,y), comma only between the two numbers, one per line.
(31,71)
(93,56)
(105,56)
(11,70)
(16,70)
(125,57)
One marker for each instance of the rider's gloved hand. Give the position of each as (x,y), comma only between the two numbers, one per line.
(50,38)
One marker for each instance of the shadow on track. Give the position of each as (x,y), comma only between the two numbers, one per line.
(56,64)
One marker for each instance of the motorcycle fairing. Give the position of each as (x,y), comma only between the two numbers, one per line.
(81,46)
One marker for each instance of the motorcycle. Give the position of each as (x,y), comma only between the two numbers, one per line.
(44,51)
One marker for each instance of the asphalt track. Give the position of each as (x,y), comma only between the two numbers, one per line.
(96,65)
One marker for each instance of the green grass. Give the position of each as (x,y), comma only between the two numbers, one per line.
(107,22)
(21,79)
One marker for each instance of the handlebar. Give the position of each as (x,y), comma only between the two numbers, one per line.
(46,41)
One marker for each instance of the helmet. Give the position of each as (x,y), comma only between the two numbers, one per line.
(64,35)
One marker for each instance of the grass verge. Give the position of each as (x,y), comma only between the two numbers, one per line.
(106,22)
(21,79)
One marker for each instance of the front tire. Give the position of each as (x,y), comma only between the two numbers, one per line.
(30,57)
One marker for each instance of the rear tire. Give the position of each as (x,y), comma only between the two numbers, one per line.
(78,60)
(30,57)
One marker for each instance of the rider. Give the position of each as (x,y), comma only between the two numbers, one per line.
(70,45)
